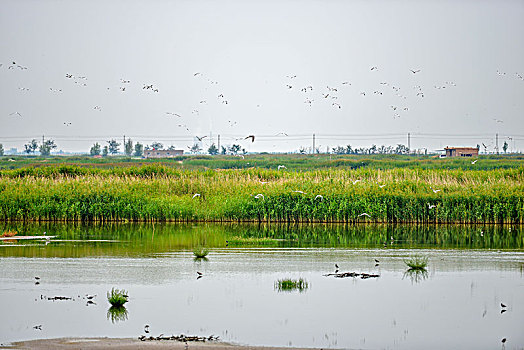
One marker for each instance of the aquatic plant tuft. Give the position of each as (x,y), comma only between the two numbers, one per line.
(117,297)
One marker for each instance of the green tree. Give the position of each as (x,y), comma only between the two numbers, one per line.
(1,149)
(95,149)
(401,149)
(195,148)
(113,146)
(234,149)
(128,147)
(505,147)
(223,150)
(46,148)
(31,146)
(139,149)
(171,148)
(105,151)
(212,150)
(157,146)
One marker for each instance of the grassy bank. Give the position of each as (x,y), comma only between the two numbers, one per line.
(166,194)
(267,161)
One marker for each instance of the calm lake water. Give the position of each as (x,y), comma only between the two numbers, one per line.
(455,304)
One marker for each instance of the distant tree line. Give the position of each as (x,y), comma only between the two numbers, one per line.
(399,149)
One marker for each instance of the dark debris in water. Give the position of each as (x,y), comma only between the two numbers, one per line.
(181,338)
(353,274)
(55,298)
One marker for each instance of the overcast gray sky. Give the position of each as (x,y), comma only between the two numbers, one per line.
(197,55)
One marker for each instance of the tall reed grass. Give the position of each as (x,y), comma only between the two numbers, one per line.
(164,194)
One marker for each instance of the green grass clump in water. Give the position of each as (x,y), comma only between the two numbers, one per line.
(288,285)
(200,252)
(417,263)
(117,297)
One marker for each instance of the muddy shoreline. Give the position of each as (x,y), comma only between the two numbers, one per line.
(130,343)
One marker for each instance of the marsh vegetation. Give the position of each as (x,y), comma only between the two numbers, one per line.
(159,193)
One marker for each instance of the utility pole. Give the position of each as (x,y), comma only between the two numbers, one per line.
(313,149)
(497,143)
(42,140)
(124,143)
(219,143)
(409,142)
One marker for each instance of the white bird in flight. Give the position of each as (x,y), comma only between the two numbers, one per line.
(300,192)
(473,162)
(260,195)
(356,181)
(281,167)
(365,214)
(431,206)
(196,195)
(382,186)
(319,196)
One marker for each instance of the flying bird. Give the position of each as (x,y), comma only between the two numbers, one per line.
(356,181)
(431,206)
(502,305)
(300,192)
(281,167)
(201,138)
(196,195)
(171,113)
(319,196)
(473,162)
(415,71)
(260,195)
(374,68)
(16,113)
(146,328)
(382,186)
(252,137)
(365,214)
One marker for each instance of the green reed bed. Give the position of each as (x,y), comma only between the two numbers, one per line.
(161,194)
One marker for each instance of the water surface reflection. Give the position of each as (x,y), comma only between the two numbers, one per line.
(455,303)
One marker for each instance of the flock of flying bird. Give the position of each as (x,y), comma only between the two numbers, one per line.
(312,95)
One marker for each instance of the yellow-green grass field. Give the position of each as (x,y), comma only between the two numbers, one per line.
(159,193)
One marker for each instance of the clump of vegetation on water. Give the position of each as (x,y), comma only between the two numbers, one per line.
(200,252)
(289,285)
(117,297)
(417,263)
